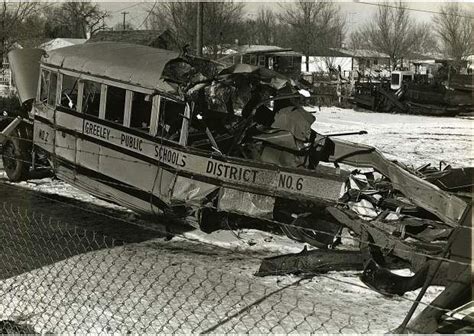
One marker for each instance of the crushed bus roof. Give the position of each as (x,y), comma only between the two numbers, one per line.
(128,63)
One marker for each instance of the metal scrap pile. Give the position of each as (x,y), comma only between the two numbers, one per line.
(391,232)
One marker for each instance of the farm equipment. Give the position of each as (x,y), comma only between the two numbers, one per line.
(417,94)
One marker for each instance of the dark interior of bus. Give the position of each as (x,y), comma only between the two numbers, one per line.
(141,111)
(69,92)
(115,104)
(91,100)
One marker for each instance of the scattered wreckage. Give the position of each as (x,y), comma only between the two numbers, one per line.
(167,133)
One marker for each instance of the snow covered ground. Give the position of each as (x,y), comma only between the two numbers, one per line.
(197,282)
(413,140)
(182,286)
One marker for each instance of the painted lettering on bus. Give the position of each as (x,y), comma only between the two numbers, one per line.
(131,142)
(96,130)
(170,156)
(231,172)
(290,183)
(43,135)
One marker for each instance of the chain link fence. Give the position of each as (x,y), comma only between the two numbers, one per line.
(62,278)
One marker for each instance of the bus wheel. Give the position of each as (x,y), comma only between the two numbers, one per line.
(16,160)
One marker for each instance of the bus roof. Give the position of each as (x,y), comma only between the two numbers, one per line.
(129,63)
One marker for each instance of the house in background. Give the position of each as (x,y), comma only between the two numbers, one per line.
(348,61)
(60,42)
(5,74)
(284,61)
(367,60)
(163,39)
(5,78)
(326,61)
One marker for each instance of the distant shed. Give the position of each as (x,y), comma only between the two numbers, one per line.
(327,60)
(284,61)
(163,39)
(363,59)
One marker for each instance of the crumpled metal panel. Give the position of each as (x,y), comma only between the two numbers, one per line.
(25,68)
(447,207)
(191,191)
(231,200)
(277,156)
(295,120)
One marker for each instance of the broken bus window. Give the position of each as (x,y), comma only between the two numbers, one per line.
(69,92)
(141,111)
(91,99)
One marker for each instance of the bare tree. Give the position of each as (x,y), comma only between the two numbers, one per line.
(455,30)
(423,38)
(75,19)
(392,31)
(221,22)
(358,40)
(17,22)
(314,26)
(265,25)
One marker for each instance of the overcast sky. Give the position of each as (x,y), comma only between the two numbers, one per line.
(355,12)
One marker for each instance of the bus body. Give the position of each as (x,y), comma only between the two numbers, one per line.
(110,125)
(161,132)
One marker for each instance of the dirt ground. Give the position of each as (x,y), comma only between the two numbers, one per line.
(128,279)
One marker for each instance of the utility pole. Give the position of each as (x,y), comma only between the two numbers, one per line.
(199,28)
(124,14)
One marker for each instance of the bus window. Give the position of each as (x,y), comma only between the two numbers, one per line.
(53,83)
(115,104)
(91,99)
(69,92)
(171,119)
(45,75)
(141,111)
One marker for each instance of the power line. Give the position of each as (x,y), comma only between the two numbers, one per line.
(148,15)
(122,9)
(412,9)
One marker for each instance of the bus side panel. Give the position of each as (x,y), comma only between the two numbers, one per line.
(123,167)
(66,146)
(43,136)
(69,121)
(88,154)
(163,185)
(44,111)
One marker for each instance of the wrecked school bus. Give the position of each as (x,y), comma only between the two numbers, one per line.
(166,133)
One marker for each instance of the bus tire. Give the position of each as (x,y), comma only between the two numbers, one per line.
(16,160)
